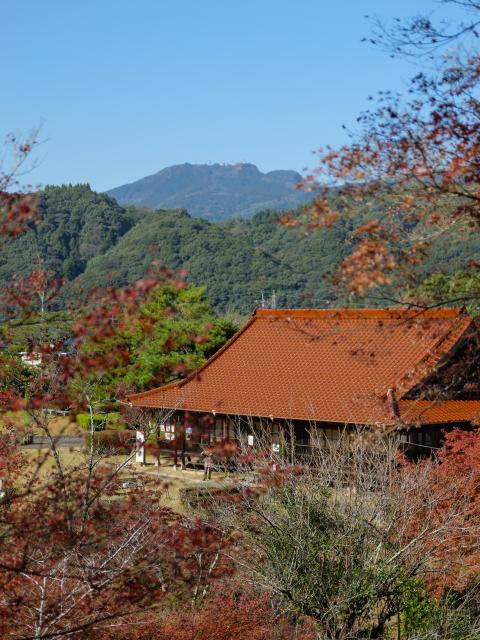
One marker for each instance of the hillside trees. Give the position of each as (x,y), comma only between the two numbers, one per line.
(236,261)
(73,224)
(459,288)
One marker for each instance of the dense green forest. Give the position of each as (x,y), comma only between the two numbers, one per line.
(91,241)
(75,224)
(235,263)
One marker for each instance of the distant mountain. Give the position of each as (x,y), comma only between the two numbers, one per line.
(214,192)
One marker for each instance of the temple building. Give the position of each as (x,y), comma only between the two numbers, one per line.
(289,373)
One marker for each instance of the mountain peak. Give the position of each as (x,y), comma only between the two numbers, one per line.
(214,191)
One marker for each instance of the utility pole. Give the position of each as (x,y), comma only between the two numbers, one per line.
(263,301)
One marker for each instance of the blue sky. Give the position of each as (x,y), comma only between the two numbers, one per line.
(124,88)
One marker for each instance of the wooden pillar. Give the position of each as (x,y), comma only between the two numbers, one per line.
(175,455)
(282,441)
(225,429)
(157,433)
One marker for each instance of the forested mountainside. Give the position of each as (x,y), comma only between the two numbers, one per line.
(214,191)
(91,241)
(235,263)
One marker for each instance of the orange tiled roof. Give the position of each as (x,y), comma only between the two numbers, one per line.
(325,365)
(427,412)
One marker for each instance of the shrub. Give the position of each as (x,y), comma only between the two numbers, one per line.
(153,438)
(99,421)
(112,418)
(114,440)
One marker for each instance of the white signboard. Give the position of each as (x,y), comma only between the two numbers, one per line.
(250,440)
(140,454)
(275,448)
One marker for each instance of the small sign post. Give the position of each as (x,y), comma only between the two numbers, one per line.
(140,454)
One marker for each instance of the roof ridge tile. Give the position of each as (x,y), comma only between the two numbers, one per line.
(362,313)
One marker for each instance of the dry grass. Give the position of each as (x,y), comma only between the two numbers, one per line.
(59,426)
(171,481)
(42,459)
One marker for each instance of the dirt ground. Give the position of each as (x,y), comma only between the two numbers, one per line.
(166,478)
(170,481)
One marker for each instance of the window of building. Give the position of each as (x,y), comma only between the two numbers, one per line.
(169,429)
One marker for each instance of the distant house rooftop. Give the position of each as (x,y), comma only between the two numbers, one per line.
(351,366)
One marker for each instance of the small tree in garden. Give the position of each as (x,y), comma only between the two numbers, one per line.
(184,332)
(230,613)
(453,496)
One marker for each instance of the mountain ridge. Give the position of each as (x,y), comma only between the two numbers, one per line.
(214,192)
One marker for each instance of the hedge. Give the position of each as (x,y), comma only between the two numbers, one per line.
(118,441)
(100,421)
